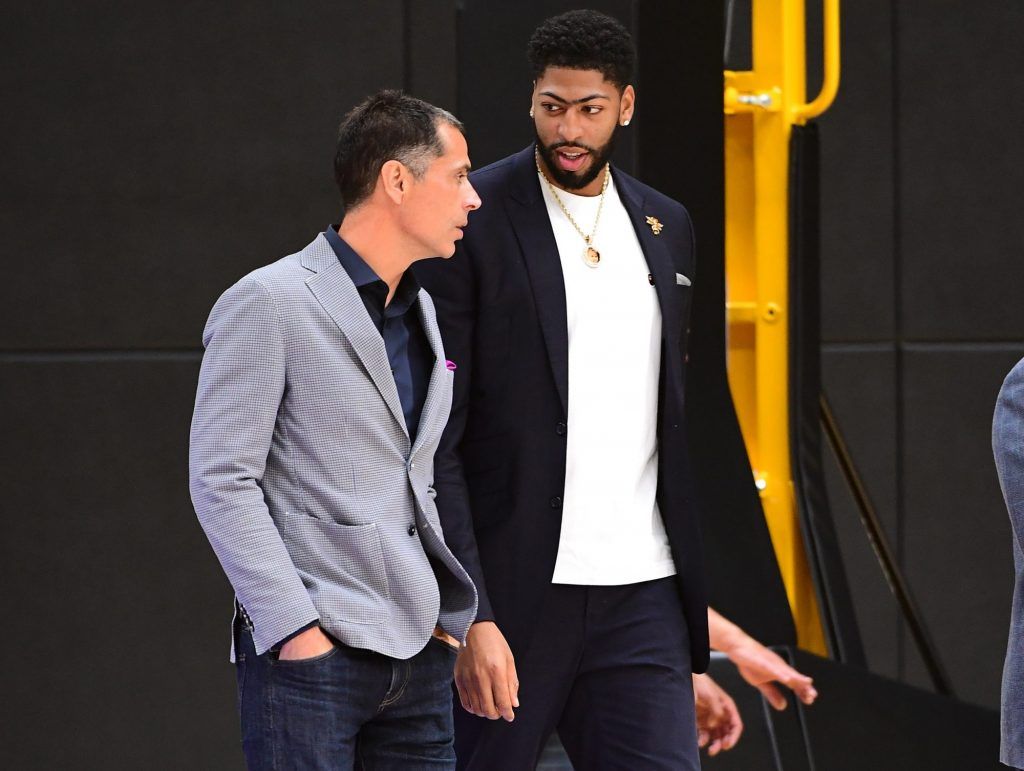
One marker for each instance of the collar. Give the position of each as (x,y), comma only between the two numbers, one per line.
(363,275)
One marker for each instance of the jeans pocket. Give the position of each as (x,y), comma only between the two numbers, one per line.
(277,661)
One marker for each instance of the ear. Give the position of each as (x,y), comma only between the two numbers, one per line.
(394,180)
(627,104)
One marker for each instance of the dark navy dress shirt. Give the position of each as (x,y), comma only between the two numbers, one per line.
(399,324)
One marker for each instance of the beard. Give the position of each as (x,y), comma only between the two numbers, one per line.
(576,180)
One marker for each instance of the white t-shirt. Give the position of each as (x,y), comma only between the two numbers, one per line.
(612,532)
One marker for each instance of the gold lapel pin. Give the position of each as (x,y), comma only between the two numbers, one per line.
(656,226)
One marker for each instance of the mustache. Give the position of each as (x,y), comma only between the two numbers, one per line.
(559,145)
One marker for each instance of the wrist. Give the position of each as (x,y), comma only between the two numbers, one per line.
(480,627)
(730,639)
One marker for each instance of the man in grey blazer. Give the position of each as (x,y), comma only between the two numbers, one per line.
(322,397)
(1008,447)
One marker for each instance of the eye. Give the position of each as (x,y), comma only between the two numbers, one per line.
(591,109)
(549,107)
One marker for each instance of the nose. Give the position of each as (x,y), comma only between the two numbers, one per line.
(472,201)
(569,128)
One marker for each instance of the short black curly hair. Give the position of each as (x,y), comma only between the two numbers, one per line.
(583,40)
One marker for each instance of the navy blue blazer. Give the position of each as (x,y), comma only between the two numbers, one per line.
(500,469)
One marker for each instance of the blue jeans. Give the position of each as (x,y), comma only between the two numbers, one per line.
(349,708)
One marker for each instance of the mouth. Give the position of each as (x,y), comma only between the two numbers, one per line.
(571,160)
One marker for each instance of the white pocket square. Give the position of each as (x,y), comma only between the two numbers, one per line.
(682,280)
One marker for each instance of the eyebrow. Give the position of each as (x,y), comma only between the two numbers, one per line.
(557,98)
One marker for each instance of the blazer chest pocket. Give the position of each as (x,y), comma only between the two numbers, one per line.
(342,566)
(679,309)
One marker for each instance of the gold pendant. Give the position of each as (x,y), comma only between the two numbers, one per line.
(592,257)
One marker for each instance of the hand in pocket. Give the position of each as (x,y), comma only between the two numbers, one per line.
(308,645)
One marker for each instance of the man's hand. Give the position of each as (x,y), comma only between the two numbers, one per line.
(759,666)
(762,668)
(485,673)
(310,644)
(718,721)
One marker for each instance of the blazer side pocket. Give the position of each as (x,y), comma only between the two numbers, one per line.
(342,567)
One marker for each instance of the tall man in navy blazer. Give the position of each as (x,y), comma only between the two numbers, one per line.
(563,480)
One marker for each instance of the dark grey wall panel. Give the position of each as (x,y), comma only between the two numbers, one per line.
(144,274)
(188,98)
(118,609)
(433,52)
(144,138)
(957,536)
(857,186)
(962,169)
(861,386)
(879,725)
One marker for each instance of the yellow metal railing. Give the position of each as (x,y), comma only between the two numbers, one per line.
(830,58)
(761,106)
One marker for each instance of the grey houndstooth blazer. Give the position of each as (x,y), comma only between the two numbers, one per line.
(301,469)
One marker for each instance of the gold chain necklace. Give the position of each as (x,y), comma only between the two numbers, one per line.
(591,256)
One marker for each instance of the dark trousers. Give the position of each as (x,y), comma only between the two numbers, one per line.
(349,708)
(608,667)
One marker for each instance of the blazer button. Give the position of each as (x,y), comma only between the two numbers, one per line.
(556,502)
(560,429)
(412,529)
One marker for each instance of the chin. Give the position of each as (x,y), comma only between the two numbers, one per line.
(574,180)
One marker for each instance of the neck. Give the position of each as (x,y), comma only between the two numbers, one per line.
(379,243)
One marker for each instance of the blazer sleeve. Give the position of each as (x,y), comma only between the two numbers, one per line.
(241,384)
(452,286)
(1008,447)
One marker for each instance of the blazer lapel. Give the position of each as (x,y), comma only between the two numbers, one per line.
(334,290)
(435,389)
(532,227)
(656,252)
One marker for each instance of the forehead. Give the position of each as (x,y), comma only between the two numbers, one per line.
(572,84)
(455,148)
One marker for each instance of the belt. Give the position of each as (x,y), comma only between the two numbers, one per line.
(243,616)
